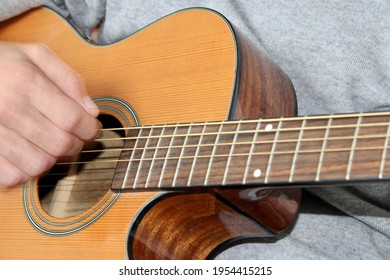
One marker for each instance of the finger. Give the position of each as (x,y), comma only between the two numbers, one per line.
(10,175)
(21,153)
(56,106)
(67,114)
(41,132)
(61,74)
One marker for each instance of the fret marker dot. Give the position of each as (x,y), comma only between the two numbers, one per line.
(257,173)
(268,127)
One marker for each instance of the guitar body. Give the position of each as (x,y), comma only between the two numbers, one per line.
(191,66)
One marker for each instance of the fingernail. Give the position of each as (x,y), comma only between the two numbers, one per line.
(99,131)
(88,102)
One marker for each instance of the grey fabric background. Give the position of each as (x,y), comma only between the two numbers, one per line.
(337,54)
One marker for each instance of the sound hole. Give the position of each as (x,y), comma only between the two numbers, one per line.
(70,189)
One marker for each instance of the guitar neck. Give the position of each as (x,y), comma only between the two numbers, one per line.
(282,151)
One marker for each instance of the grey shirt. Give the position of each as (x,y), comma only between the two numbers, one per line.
(337,54)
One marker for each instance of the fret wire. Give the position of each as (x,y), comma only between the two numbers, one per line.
(352,153)
(253,131)
(324,143)
(141,160)
(153,160)
(180,157)
(166,159)
(212,155)
(296,151)
(130,161)
(230,155)
(196,155)
(250,153)
(272,152)
(384,154)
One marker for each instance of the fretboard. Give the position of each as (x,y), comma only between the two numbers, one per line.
(283,151)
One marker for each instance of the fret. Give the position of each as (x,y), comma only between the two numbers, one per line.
(324,143)
(185,143)
(230,155)
(220,152)
(166,158)
(290,179)
(273,149)
(384,154)
(142,160)
(252,148)
(147,182)
(120,175)
(261,153)
(369,148)
(241,153)
(224,134)
(353,147)
(283,155)
(157,154)
(238,153)
(174,151)
(196,157)
(134,161)
(212,156)
(187,155)
(311,142)
(338,151)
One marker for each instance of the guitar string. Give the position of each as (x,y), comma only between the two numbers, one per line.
(264,130)
(227,155)
(207,156)
(286,119)
(257,131)
(369,125)
(279,141)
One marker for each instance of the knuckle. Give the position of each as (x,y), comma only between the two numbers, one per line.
(18,70)
(64,145)
(25,79)
(12,177)
(19,179)
(39,165)
(71,121)
(67,146)
(38,49)
(12,181)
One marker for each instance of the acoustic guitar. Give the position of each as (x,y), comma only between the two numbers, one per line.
(201,146)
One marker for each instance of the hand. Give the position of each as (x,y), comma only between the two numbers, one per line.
(45,111)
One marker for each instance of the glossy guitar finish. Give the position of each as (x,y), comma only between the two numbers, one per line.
(191,66)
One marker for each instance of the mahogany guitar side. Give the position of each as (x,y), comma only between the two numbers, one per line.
(191,66)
